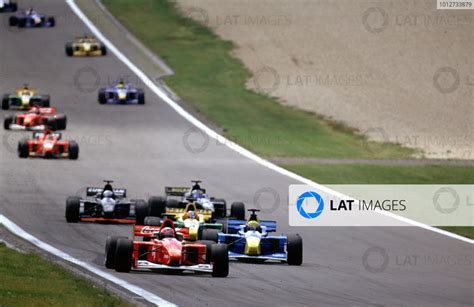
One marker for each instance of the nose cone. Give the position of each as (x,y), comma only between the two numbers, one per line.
(252,246)
(172,252)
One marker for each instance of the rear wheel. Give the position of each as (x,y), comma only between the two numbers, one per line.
(237,211)
(103,49)
(110,248)
(52,123)
(45,101)
(69,49)
(156,205)
(23,151)
(61,121)
(51,21)
(73,150)
(220,207)
(141,212)
(294,249)
(141,97)
(6,102)
(220,260)
(102,96)
(152,221)
(73,204)
(210,235)
(7,122)
(172,203)
(123,255)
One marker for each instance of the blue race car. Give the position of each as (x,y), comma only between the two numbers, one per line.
(250,240)
(121,93)
(31,19)
(8,6)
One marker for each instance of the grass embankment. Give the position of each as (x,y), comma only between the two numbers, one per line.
(29,280)
(210,79)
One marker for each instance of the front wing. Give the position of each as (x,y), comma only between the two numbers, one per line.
(147,265)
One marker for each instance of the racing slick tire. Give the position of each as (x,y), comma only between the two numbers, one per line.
(61,121)
(172,203)
(7,122)
(14,7)
(73,151)
(110,248)
(237,210)
(69,49)
(220,207)
(6,102)
(152,221)
(73,205)
(13,21)
(45,101)
(141,212)
(208,249)
(52,123)
(156,206)
(23,151)
(21,22)
(294,249)
(103,49)
(210,235)
(220,260)
(141,97)
(102,96)
(123,255)
(51,21)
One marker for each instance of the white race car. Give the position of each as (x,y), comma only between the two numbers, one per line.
(8,6)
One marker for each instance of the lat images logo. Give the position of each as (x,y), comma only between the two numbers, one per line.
(307,197)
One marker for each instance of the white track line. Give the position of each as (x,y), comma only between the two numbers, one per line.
(219,138)
(150,297)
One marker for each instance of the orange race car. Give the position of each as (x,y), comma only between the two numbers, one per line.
(37,118)
(48,145)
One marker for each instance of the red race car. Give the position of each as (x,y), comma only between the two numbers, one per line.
(48,145)
(163,248)
(36,118)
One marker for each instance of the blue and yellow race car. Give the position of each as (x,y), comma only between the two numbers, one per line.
(121,93)
(31,19)
(250,240)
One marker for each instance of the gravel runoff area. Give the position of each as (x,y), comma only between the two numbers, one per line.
(399,71)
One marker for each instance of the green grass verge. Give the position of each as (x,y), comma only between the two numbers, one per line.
(213,82)
(29,280)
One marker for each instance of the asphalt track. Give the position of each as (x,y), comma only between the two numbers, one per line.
(142,148)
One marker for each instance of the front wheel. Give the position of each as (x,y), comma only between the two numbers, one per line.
(6,102)
(294,249)
(13,21)
(141,97)
(69,49)
(73,205)
(123,255)
(45,101)
(103,49)
(51,21)
(73,150)
(102,96)
(220,260)
(23,151)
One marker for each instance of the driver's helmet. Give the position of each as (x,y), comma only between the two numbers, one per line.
(108,194)
(167,232)
(196,194)
(34,110)
(121,84)
(25,87)
(29,11)
(253,225)
(191,215)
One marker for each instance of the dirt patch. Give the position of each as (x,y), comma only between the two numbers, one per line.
(399,71)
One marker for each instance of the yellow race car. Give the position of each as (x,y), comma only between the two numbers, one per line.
(24,98)
(86,46)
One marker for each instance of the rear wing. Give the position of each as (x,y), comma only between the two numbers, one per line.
(176,191)
(37,135)
(93,191)
(233,226)
(145,231)
(50,110)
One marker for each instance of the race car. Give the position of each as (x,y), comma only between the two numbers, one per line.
(24,98)
(36,118)
(31,19)
(163,248)
(250,240)
(190,223)
(8,6)
(85,46)
(106,205)
(121,93)
(177,198)
(48,144)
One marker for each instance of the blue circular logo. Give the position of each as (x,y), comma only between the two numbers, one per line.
(302,211)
